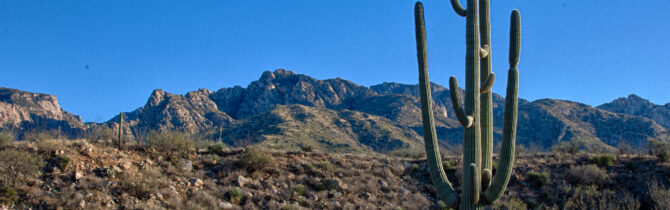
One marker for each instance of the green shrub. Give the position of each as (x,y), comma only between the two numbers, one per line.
(588,174)
(62,162)
(532,204)
(603,160)
(569,147)
(236,195)
(407,153)
(254,159)
(141,185)
(536,179)
(325,166)
(38,135)
(306,148)
(299,190)
(449,165)
(23,165)
(509,204)
(7,138)
(173,142)
(217,148)
(589,197)
(631,166)
(308,167)
(8,195)
(663,156)
(660,196)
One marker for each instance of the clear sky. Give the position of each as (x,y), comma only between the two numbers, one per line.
(103,57)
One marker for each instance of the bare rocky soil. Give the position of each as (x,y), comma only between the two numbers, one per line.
(102,177)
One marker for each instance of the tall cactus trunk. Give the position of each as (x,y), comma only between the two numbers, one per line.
(479,188)
(472,135)
(485,98)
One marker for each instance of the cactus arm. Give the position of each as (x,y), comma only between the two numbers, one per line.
(474,184)
(515,39)
(486,179)
(506,161)
(464,119)
(487,85)
(437,175)
(458,8)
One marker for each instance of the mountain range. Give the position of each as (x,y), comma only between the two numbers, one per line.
(287,110)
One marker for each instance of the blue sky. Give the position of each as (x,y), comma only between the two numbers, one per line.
(103,57)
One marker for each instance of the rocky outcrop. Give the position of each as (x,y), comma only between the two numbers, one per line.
(283,87)
(637,106)
(24,111)
(192,112)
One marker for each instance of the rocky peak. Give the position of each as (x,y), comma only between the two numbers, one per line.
(638,106)
(24,111)
(283,87)
(633,105)
(157,97)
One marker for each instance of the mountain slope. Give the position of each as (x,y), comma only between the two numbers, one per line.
(637,106)
(294,126)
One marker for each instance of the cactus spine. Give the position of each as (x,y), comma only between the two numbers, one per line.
(120,143)
(479,187)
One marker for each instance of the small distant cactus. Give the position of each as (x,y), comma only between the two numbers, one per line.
(120,143)
(479,186)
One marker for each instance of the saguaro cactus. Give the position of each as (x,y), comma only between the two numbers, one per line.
(120,143)
(479,188)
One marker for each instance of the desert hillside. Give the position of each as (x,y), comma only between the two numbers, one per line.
(172,172)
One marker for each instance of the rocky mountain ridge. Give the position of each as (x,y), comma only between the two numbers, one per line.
(287,110)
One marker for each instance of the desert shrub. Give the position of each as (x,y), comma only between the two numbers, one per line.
(8,195)
(448,165)
(589,197)
(325,166)
(17,166)
(49,146)
(660,196)
(62,162)
(254,159)
(308,167)
(299,190)
(532,203)
(602,160)
(306,148)
(509,204)
(236,195)
(588,174)
(142,184)
(173,142)
(536,179)
(217,148)
(631,166)
(569,147)
(38,135)
(663,156)
(407,153)
(7,138)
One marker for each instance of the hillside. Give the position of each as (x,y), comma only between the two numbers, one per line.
(83,174)
(339,115)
